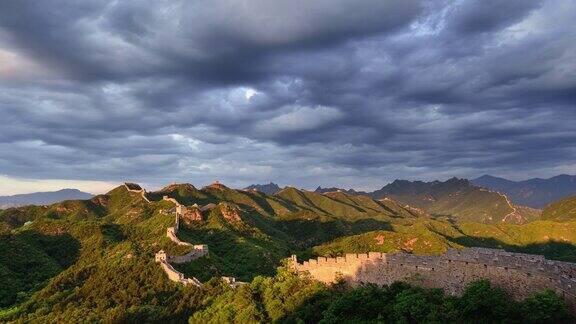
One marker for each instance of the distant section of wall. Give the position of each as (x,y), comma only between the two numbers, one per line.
(191,213)
(133,187)
(519,274)
(209,206)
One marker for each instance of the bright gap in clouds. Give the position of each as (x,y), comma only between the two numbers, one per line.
(13,186)
(250,93)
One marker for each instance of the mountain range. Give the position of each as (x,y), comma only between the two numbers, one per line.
(455,199)
(535,193)
(458,200)
(270,188)
(42,198)
(514,201)
(90,260)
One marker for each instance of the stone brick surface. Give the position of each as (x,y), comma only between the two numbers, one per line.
(519,274)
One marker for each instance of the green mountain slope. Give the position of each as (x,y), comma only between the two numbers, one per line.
(563,210)
(414,238)
(109,274)
(552,239)
(28,259)
(458,200)
(342,205)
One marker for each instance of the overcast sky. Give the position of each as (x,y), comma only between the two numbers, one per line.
(306,93)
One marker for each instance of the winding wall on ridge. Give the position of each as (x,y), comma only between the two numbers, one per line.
(198,251)
(519,274)
(165,259)
(133,187)
(162,257)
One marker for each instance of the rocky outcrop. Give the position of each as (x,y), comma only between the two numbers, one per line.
(192,214)
(230,212)
(100,200)
(187,214)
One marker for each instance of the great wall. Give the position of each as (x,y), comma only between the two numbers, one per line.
(198,251)
(132,187)
(519,274)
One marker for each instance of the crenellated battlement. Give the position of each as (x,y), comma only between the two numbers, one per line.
(520,274)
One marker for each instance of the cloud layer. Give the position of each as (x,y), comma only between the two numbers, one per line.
(348,93)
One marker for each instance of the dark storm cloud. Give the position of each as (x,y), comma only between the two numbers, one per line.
(214,40)
(486,16)
(351,93)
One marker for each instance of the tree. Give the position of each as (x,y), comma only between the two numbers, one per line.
(483,303)
(545,307)
(364,303)
(415,305)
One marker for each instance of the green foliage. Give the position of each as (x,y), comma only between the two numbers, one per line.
(552,239)
(414,238)
(545,307)
(287,298)
(129,291)
(28,259)
(342,206)
(561,211)
(415,305)
(483,303)
(238,250)
(265,299)
(361,304)
(424,236)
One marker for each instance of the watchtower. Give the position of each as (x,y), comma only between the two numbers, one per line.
(161,256)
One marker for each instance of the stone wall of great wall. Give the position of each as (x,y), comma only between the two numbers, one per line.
(132,187)
(519,274)
(192,213)
(173,274)
(165,259)
(171,231)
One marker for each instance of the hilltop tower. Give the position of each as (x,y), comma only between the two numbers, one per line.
(161,256)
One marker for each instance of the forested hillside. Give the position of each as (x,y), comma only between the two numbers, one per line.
(93,260)
(458,200)
(563,210)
